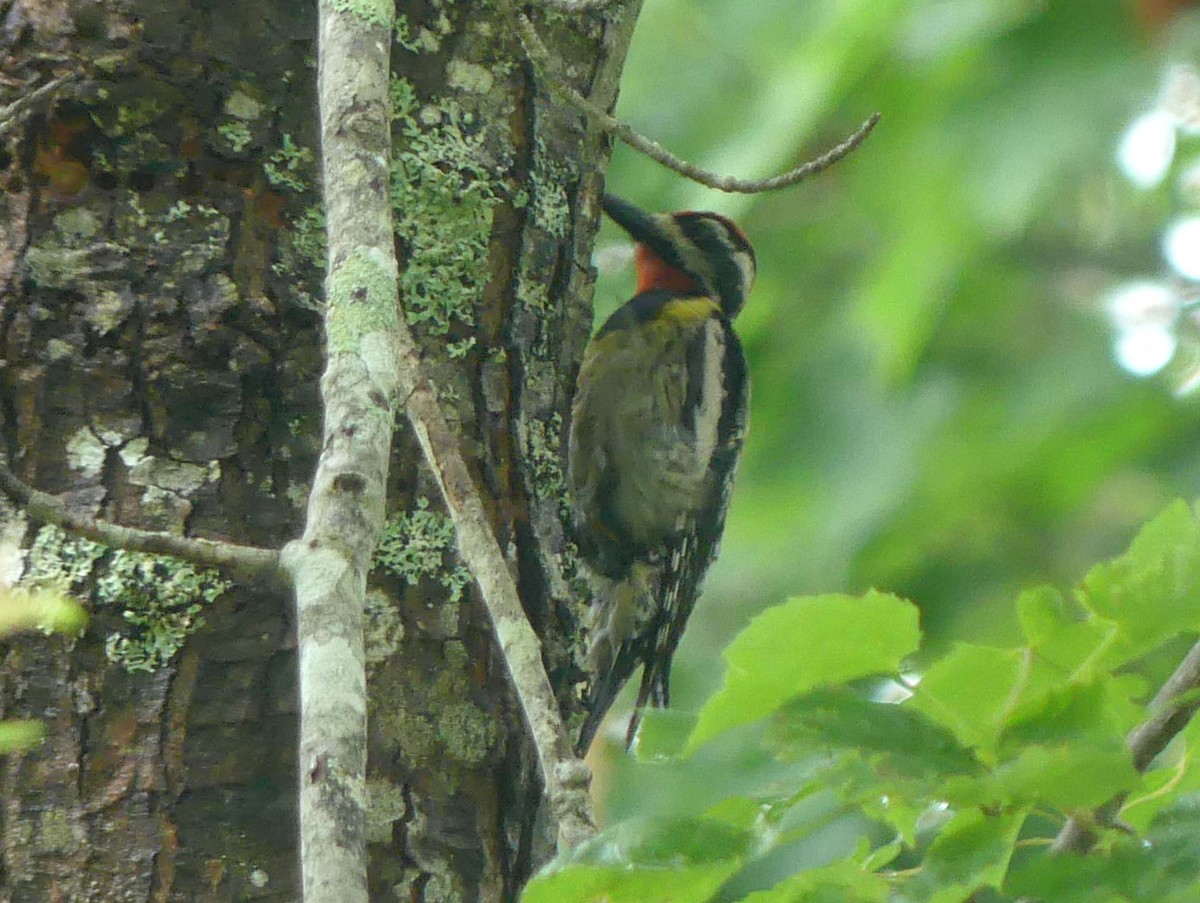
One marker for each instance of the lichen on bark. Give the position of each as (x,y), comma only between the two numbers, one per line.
(158,281)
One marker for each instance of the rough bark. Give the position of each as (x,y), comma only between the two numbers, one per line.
(159,260)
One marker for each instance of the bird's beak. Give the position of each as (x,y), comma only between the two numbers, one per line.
(642,227)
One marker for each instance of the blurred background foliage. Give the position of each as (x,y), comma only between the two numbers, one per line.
(937,410)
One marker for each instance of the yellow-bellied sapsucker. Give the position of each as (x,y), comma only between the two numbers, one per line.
(657,427)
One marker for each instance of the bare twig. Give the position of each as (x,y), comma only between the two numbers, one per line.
(11,114)
(246,560)
(536,51)
(576,6)
(564,776)
(1171,709)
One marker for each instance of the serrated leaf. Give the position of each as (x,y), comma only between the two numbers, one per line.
(838,882)
(883,856)
(678,860)
(1070,778)
(803,644)
(898,739)
(1062,638)
(663,733)
(614,884)
(973,691)
(1152,592)
(971,852)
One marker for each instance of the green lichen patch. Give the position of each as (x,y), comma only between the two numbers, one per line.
(110,308)
(543,442)
(362,299)
(433,716)
(385,805)
(421,39)
(382,627)
(304,248)
(66,261)
(235,135)
(78,222)
(243,104)
(549,179)
(59,561)
(463,75)
(55,832)
(85,452)
(183,238)
(127,113)
(443,193)
(308,236)
(161,599)
(420,543)
(377,12)
(290,166)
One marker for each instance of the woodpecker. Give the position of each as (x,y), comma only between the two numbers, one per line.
(657,426)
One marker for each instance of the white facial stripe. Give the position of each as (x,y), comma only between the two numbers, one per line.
(746,264)
(693,257)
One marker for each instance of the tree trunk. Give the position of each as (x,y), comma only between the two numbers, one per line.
(160,262)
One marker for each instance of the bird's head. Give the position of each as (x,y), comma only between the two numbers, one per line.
(688,251)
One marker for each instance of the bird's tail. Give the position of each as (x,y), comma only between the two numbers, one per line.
(665,597)
(682,577)
(619,643)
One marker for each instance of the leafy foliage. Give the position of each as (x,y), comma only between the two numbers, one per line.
(937,786)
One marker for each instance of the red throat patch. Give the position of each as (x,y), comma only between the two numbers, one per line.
(654,272)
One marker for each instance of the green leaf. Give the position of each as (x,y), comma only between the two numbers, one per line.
(663,733)
(618,884)
(973,691)
(971,852)
(1152,592)
(805,643)
(905,815)
(1060,637)
(677,860)
(736,811)
(1099,713)
(1162,867)
(883,856)
(43,609)
(839,882)
(19,735)
(899,740)
(1069,777)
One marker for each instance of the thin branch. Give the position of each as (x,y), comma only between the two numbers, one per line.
(11,114)
(564,777)
(537,53)
(247,560)
(1172,708)
(577,6)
